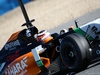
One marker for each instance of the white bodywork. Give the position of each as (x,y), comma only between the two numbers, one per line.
(90,25)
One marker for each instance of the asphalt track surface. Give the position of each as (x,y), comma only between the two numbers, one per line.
(80,20)
(93,69)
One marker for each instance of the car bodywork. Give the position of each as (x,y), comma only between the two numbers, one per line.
(29,52)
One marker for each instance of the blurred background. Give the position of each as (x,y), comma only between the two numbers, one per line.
(48,14)
(7,5)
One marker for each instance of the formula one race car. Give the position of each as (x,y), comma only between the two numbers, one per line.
(29,52)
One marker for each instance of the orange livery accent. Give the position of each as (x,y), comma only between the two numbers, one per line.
(25,65)
(14,36)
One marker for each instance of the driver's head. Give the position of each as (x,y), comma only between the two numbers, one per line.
(44,36)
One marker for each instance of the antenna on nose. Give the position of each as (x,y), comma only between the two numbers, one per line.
(28,22)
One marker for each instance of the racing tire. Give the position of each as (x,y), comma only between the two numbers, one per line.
(75,52)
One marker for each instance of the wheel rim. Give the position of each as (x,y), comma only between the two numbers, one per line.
(70,55)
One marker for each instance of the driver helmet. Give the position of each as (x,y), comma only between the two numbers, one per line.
(44,36)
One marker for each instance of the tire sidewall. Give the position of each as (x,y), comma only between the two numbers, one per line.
(78,47)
